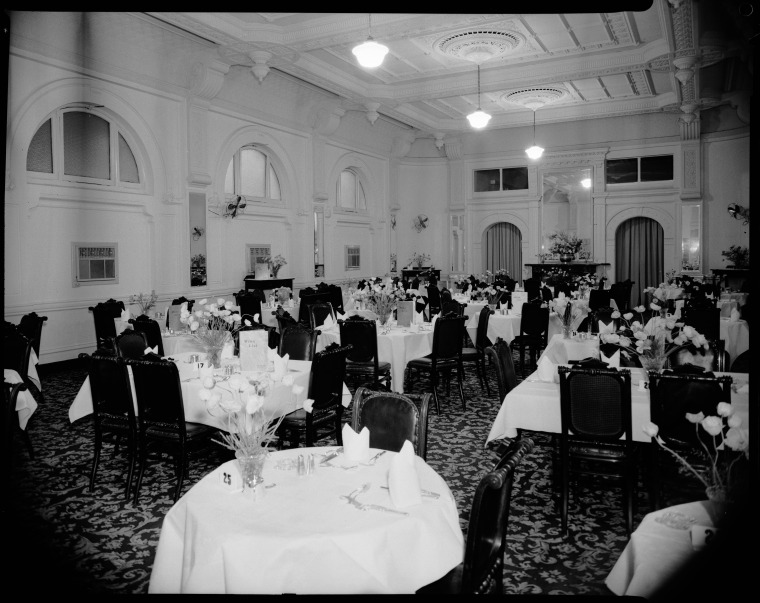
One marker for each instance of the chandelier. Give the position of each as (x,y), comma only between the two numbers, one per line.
(479,118)
(370,54)
(535,151)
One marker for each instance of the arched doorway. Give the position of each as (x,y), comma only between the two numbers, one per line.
(639,255)
(502,249)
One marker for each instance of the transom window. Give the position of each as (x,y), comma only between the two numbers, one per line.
(252,175)
(501,179)
(628,170)
(83,146)
(350,195)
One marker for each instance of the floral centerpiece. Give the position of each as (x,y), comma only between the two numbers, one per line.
(249,430)
(724,443)
(382,296)
(584,282)
(737,255)
(659,301)
(655,342)
(213,325)
(274,263)
(564,244)
(419,259)
(570,311)
(144,300)
(283,294)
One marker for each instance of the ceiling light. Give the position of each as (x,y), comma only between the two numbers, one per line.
(535,151)
(370,54)
(478,119)
(586,183)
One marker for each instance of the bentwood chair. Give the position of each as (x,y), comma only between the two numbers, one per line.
(621,293)
(249,302)
(672,394)
(362,361)
(131,344)
(31,326)
(306,301)
(104,314)
(284,319)
(445,357)
(328,372)
(113,410)
(596,438)
(318,313)
(161,425)
(599,298)
(392,419)
(477,355)
(501,358)
(152,331)
(534,330)
(482,571)
(298,342)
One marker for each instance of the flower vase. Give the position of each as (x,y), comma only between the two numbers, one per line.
(719,504)
(384,318)
(566,257)
(214,356)
(566,331)
(652,363)
(251,468)
(275,270)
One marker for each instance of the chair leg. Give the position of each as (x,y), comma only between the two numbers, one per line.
(27,442)
(460,370)
(140,471)
(95,459)
(485,376)
(132,451)
(434,383)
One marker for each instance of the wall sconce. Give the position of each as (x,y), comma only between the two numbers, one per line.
(739,212)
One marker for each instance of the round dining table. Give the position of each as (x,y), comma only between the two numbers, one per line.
(298,534)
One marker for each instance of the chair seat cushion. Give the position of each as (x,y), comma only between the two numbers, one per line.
(426,363)
(470,353)
(527,340)
(367,368)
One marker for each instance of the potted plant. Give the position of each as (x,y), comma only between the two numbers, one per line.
(738,256)
(419,259)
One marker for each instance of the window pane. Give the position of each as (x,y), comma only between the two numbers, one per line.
(110,266)
(487,180)
(362,201)
(347,189)
(97,269)
(127,163)
(229,179)
(274,184)
(252,164)
(622,170)
(86,145)
(84,269)
(657,167)
(40,155)
(515,179)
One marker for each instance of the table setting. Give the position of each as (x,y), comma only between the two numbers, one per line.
(322,520)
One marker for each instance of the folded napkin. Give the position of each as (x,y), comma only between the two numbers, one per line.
(744,389)
(280,364)
(517,308)
(546,371)
(125,315)
(151,350)
(403,482)
(735,316)
(356,445)
(339,316)
(610,353)
(228,351)
(418,319)
(329,322)
(603,328)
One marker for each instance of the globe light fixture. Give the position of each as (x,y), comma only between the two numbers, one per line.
(535,151)
(370,54)
(479,118)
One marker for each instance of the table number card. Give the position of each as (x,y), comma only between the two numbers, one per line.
(229,477)
(253,350)
(404,313)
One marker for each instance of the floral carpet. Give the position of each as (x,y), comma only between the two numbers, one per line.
(68,539)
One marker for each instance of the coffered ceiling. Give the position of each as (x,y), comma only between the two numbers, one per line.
(679,56)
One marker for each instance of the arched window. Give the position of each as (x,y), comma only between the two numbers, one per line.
(350,194)
(85,147)
(252,175)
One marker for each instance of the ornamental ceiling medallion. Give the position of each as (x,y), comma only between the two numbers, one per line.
(479,45)
(535,98)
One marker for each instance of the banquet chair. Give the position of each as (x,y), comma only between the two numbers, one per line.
(9,427)
(599,298)
(482,571)
(501,359)
(741,363)
(445,356)
(434,301)
(452,306)
(306,301)
(131,344)
(335,297)
(672,394)
(705,320)
(362,361)
(152,331)
(318,313)
(250,302)
(596,438)
(534,330)
(161,425)
(284,319)
(105,329)
(31,326)
(477,354)
(113,410)
(328,372)
(391,419)
(715,358)
(17,351)
(298,342)
(621,293)
(532,286)
(601,315)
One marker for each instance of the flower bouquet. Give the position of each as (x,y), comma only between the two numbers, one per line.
(213,326)
(737,255)
(382,297)
(284,295)
(570,311)
(724,442)
(145,301)
(274,263)
(563,243)
(419,259)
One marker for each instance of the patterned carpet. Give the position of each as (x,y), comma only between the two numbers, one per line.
(68,539)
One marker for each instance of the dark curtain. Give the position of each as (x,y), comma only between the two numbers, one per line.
(639,255)
(502,249)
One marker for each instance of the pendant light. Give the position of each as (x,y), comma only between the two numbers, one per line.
(370,54)
(535,151)
(478,119)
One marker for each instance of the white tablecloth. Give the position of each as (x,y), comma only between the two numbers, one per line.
(279,402)
(31,371)
(397,347)
(735,334)
(505,326)
(657,549)
(25,402)
(300,537)
(534,405)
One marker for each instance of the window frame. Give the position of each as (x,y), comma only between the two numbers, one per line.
(639,182)
(360,186)
(77,281)
(269,167)
(250,262)
(352,251)
(502,181)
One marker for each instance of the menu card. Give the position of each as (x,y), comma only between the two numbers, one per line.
(253,350)
(404,313)
(173,314)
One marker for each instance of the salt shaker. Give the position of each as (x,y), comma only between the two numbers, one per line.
(312,464)
(301,466)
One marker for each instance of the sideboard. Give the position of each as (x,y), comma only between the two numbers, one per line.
(266,284)
(572,267)
(410,273)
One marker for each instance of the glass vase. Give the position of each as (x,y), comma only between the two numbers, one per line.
(251,468)
(214,356)
(719,504)
(566,332)
(652,363)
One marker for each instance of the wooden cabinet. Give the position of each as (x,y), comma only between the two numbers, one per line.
(410,273)
(266,284)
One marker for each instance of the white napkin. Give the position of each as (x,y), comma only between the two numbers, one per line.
(612,361)
(744,389)
(419,318)
(150,350)
(125,315)
(340,316)
(546,371)
(356,445)
(403,482)
(280,364)
(517,308)
(603,328)
(734,316)
(228,351)
(329,322)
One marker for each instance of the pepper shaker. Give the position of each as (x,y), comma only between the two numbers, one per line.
(301,466)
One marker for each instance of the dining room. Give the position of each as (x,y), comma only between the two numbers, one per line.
(234,201)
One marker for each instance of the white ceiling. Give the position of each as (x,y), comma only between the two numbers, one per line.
(566,66)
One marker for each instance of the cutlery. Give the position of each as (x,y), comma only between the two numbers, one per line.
(369,507)
(329,456)
(270,485)
(427,493)
(373,460)
(360,490)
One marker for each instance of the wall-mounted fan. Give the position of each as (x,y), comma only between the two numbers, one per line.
(420,223)
(231,209)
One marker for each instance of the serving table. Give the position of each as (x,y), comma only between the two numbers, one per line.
(300,537)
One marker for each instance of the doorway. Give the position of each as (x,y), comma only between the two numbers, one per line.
(639,255)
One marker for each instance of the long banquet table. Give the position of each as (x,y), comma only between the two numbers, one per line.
(300,537)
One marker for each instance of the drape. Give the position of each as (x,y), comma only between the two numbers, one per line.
(502,249)
(639,255)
